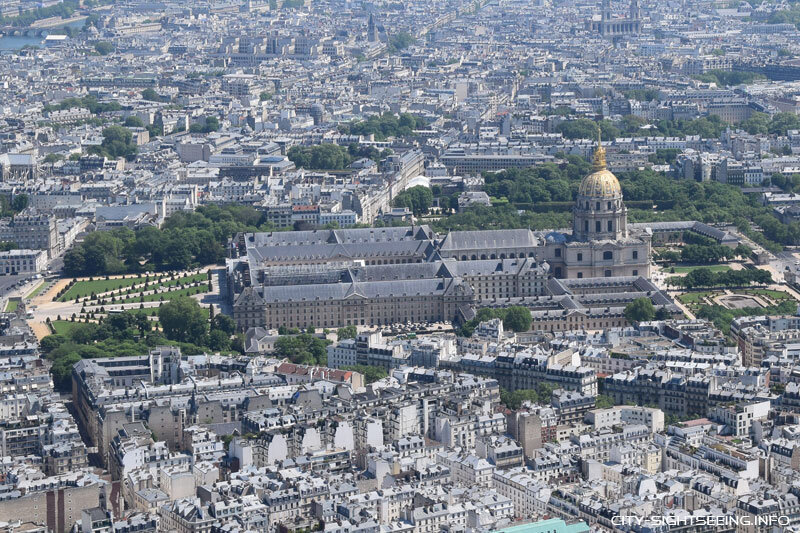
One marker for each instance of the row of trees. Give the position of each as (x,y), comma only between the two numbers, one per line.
(699,253)
(63,9)
(185,239)
(710,127)
(710,202)
(332,156)
(777,124)
(87,102)
(705,277)
(385,125)
(583,128)
(543,183)
(729,78)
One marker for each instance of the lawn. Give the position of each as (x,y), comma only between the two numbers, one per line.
(687,269)
(82,289)
(155,297)
(63,327)
(38,289)
(775,295)
(12,305)
(693,298)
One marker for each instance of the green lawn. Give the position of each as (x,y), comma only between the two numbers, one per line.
(38,289)
(82,289)
(775,295)
(12,305)
(63,327)
(687,269)
(188,291)
(693,298)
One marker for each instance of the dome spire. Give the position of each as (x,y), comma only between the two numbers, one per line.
(599,162)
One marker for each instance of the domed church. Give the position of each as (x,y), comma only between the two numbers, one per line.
(601,244)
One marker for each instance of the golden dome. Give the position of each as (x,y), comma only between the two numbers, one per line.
(602,183)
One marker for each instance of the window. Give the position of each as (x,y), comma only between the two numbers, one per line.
(635,272)
(586,225)
(608,255)
(610,225)
(558,252)
(580,256)
(636,254)
(597,207)
(580,275)
(609,206)
(597,226)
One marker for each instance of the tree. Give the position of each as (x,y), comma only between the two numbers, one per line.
(603,401)
(385,125)
(133,122)
(207,125)
(581,128)
(218,340)
(743,251)
(640,310)
(75,261)
(517,319)
(183,319)
(303,349)
(401,41)
(320,157)
(346,332)
(117,142)
(20,202)
(151,95)
(103,47)
(371,373)
(223,323)
(62,371)
(418,199)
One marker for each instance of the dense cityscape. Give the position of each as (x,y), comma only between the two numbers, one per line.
(410,266)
